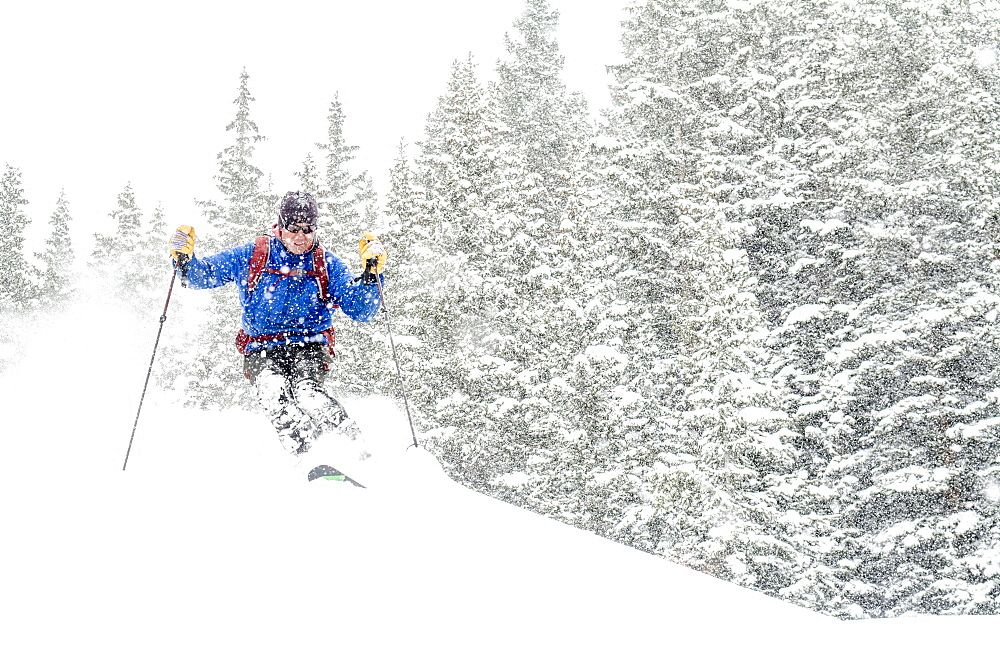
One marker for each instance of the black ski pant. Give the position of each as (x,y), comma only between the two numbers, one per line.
(288,381)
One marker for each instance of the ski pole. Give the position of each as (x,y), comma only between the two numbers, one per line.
(370,270)
(163,319)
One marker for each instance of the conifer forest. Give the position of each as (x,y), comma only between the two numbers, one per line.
(746,319)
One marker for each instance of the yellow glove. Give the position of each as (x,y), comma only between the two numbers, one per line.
(372,252)
(182,245)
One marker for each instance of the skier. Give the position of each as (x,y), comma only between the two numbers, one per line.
(288,287)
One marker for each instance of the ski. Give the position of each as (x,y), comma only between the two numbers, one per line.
(327,472)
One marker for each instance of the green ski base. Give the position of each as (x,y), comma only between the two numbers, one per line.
(326,472)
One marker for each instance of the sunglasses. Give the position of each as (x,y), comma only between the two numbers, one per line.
(295,228)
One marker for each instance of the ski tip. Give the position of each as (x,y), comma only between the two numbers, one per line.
(327,472)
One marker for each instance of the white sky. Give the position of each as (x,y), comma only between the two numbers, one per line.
(99,94)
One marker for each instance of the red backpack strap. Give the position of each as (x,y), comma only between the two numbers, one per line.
(331,341)
(321,272)
(261,251)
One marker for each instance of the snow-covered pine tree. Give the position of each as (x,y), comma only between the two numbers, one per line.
(922,359)
(247,205)
(415,277)
(57,258)
(547,124)
(643,157)
(346,198)
(246,210)
(470,188)
(571,473)
(129,259)
(18,290)
(405,207)
(113,245)
(713,448)
(154,276)
(861,185)
(309,177)
(728,417)
(776,129)
(452,137)
(408,233)
(531,261)
(347,204)
(460,166)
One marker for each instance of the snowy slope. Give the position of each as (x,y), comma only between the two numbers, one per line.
(206,553)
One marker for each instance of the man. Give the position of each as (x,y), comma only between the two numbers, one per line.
(288,288)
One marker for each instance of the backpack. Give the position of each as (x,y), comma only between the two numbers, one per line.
(258,266)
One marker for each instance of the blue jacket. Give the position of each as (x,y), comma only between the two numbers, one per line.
(288,305)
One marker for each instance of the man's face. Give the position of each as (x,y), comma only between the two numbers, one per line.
(296,239)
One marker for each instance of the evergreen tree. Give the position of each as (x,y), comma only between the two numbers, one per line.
(122,235)
(156,267)
(547,124)
(17,287)
(729,419)
(547,257)
(649,280)
(415,274)
(309,177)
(346,199)
(125,233)
(246,210)
(714,442)
(500,348)
(911,359)
(826,127)
(131,260)
(248,205)
(477,200)
(57,258)
(347,205)
(405,202)
(451,169)
(409,234)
